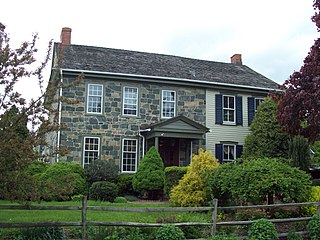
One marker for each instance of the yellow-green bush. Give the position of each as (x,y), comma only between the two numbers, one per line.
(314,197)
(191,190)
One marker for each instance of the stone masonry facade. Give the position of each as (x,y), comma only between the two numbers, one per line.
(111,126)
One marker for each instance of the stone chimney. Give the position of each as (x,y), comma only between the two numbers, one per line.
(65,37)
(236,59)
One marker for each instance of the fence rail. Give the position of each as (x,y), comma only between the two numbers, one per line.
(213,224)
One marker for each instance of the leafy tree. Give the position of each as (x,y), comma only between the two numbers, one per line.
(266,138)
(149,178)
(299,153)
(299,105)
(316,157)
(254,180)
(192,190)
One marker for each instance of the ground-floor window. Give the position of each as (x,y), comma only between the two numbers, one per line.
(91,149)
(229,152)
(129,155)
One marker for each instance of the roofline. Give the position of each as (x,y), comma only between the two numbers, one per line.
(169,78)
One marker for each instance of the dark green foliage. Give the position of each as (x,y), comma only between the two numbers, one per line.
(169,232)
(36,168)
(172,176)
(102,170)
(316,158)
(292,235)
(252,180)
(266,138)
(222,237)
(64,179)
(125,184)
(120,200)
(103,191)
(41,233)
(313,228)
(149,179)
(262,229)
(299,153)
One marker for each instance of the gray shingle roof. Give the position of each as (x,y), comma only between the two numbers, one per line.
(89,58)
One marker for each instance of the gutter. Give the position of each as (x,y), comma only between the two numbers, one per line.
(59,117)
(168,78)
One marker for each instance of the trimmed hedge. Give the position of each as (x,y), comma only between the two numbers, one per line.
(103,191)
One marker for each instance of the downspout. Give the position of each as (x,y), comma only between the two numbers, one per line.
(143,138)
(59,116)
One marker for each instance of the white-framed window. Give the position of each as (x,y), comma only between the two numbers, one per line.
(168,104)
(130,101)
(94,98)
(229,152)
(129,155)
(257,102)
(229,109)
(91,149)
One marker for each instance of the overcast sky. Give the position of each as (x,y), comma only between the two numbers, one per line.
(273,36)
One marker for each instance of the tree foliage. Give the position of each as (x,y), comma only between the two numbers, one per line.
(299,153)
(192,189)
(149,178)
(299,105)
(254,180)
(266,138)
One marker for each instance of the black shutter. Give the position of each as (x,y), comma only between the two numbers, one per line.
(219,119)
(219,152)
(251,110)
(239,150)
(238,110)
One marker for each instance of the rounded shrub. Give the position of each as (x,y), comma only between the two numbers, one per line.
(120,200)
(103,191)
(262,229)
(314,197)
(172,176)
(125,184)
(101,170)
(169,232)
(149,178)
(313,228)
(36,168)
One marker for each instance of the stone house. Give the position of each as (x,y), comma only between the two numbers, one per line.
(128,101)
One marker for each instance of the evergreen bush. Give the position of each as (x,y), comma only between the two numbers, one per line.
(169,232)
(313,228)
(192,190)
(299,153)
(149,178)
(101,170)
(103,191)
(262,229)
(125,184)
(172,176)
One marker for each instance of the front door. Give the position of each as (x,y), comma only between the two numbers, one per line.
(169,151)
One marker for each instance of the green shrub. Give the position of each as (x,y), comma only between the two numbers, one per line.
(192,188)
(103,191)
(169,232)
(222,237)
(64,180)
(172,176)
(314,197)
(250,214)
(101,170)
(41,233)
(36,168)
(292,235)
(120,200)
(262,229)
(313,228)
(299,153)
(125,184)
(149,178)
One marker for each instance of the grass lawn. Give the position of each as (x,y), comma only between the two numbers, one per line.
(95,215)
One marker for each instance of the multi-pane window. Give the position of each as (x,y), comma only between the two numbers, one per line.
(229,152)
(91,149)
(257,103)
(168,104)
(129,155)
(94,100)
(130,101)
(229,109)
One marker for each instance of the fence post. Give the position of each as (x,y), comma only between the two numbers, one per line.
(214,217)
(84,217)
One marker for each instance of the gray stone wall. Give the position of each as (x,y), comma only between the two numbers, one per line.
(111,126)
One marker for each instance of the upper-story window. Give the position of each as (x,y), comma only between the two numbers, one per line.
(90,149)
(168,104)
(95,97)
(257,103)
(130,101)
(229,109)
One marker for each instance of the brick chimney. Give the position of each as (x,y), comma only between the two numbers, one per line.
(236,59)
(65,37)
